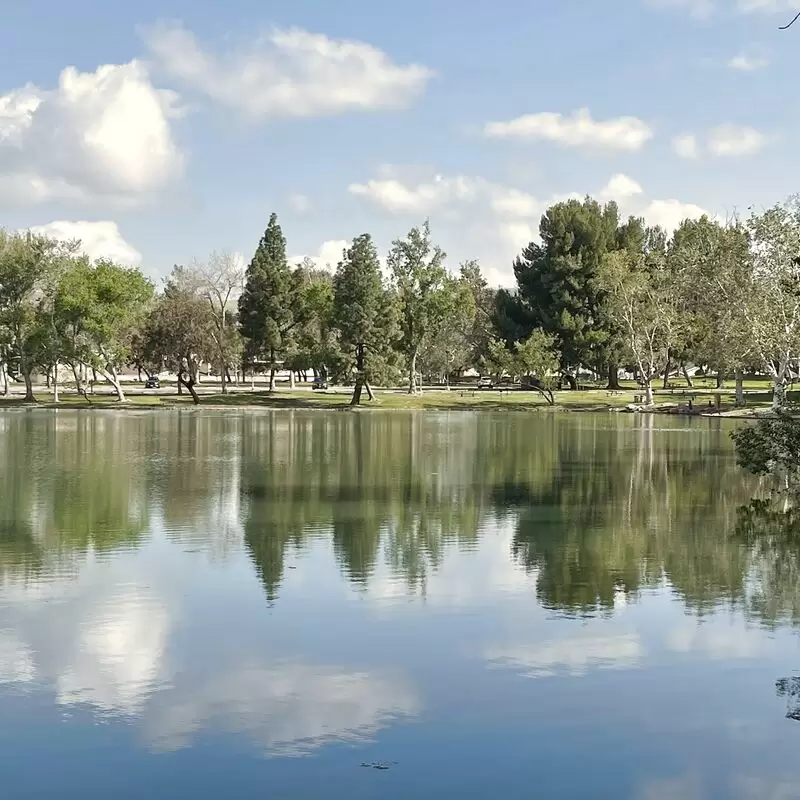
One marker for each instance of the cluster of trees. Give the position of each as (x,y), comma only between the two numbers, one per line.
(596,293)
(611,292)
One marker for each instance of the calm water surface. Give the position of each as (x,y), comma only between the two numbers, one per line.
(226,605)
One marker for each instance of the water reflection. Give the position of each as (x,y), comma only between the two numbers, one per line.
(297,582)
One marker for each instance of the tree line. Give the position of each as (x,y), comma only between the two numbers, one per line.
(596,293)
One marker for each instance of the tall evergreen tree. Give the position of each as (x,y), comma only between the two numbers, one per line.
(360,305)
(265,309)
(558,291)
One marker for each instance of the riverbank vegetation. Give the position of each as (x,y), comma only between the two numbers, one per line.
(597,298)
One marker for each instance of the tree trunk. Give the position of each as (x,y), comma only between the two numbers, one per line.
(613,376)
(291,379)
(190,386)
(689,381)
(571,380)
(412,373)
(47,378)
(778,394)
(55,383)
(29,397)
(355,400)
(79,384)
(4,378)
(648,393)
(720,380)
(667,369)
(370,393)
(739,388)
(272,379)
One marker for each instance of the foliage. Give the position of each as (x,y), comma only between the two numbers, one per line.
(265,308)
(424,294)
(771,447)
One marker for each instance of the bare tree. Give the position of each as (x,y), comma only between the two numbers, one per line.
(219,282)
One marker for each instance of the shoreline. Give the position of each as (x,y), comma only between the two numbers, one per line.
(106,403)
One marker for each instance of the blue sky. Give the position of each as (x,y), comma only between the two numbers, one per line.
(160,131)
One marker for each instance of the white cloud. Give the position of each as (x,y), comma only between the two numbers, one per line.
(396,197)
(745,63)
(118,655)
(670,213)
(686,146)
(574,656)
(289,708)
(104,133)
(290,73)
(98,239)
(735,140)
(300,203)
(620,187)
(579,130)
(328,255)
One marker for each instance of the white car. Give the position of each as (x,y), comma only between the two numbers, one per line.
(485,383)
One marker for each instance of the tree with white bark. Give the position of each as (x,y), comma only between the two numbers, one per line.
(220,280)
(641,303)
(771,309)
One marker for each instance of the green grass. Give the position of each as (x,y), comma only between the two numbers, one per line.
(758,397)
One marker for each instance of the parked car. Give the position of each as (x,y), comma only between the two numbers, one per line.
(152,382)
(485,383)
(319,383)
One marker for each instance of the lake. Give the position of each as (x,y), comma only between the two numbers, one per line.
(293,604)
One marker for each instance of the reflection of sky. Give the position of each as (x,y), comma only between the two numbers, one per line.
(467,682)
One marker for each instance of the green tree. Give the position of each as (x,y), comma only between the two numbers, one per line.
(97,309)
(265,305)
(420,280)
(449,346)
(28,267)
(557,287)
(483,302)
(538,359)
(641,304)
(361,311)
(180,331)
(772,307)
(710,267)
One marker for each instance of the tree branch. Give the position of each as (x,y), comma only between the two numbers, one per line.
(785,27)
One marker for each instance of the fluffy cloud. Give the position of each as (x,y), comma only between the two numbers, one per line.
(103,134)
(670,213)
(724,141)
(397,197)
(620,187)
(745,63)
(328,255)
(98,239)
(290,73)
(496,221)
(735,140)
(578,130)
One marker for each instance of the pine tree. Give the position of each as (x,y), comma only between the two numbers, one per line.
(359,307)
(265,307)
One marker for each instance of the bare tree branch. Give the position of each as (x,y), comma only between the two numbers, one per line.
(784,27)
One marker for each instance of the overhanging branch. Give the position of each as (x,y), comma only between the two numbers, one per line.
(784,27)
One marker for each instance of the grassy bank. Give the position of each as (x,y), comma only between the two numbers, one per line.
(703,399)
